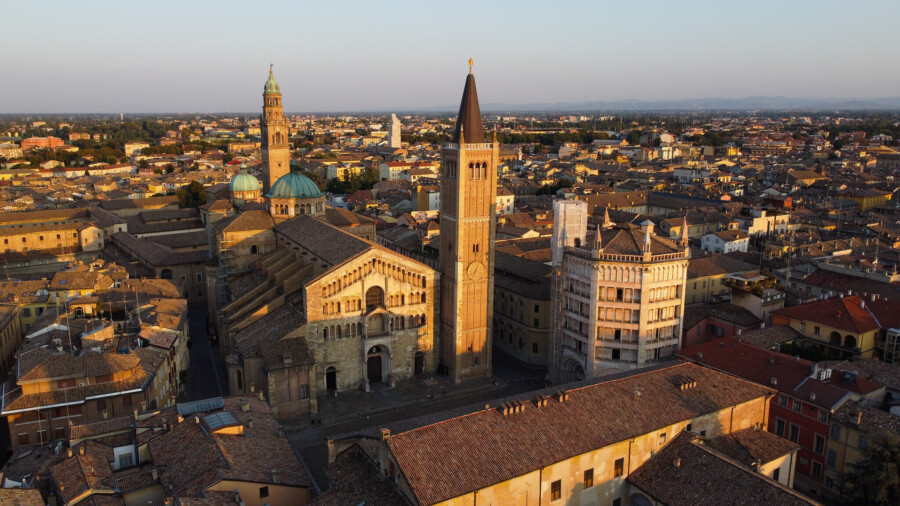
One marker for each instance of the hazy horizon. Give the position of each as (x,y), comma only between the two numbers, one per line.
(200,57)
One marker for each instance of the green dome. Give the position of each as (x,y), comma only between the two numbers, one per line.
(243,182)
(271,86)
(294,185)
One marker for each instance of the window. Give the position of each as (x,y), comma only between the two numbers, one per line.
(534,348)
(23,439)
(101,404)
(263,492)
(819,446)
(703,432)
(816,469)
(835,431)
(802,327)
(816,330)
(863,442)
(26,312)
(616,354)
(823,416)
(795,433)
(619,468)
(831,458)
(126,460)
(776,474)
(537,323)
(536,308)
(662,438)
(798,406)
(199,277)
(304,391)
(475,248)
(829,482)
(589,478)
(779,427)
(690,426)
(617,501)
(556,490)
(782,401)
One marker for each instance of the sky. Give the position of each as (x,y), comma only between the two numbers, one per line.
(333,55)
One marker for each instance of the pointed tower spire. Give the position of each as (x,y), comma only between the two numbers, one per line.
(462,136)
(684,240)
(607,223)
(598,240)
(469,117)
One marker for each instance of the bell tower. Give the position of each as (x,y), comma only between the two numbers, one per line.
(276,152)
(468,214)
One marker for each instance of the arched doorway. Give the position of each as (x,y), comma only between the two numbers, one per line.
(331,379)
(377,364)
(850,341)
(572,371)
(419,369)
(835,338)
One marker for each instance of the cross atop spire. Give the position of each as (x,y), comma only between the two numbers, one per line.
(471,61)
(469,118)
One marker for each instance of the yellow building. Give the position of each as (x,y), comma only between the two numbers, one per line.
(576,446)
(852,428)
(843,327)
(706,276)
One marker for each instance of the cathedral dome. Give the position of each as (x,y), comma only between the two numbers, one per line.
(243,182)
(271,86)
(294,185)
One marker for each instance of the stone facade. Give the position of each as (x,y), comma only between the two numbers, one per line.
(619,302)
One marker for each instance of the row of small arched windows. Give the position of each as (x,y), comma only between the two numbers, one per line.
(356,329)
(375,265)
(478,170)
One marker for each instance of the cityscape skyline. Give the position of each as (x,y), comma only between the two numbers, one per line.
(395,56)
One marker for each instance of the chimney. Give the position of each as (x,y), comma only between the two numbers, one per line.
(276,476)
(676,462)
(385,433)
(180,418)
(135,414)
(155,474)
(81,450)
(249,423)
(196,418)
(169,501)
(252,387)
(262,396)
(70,452)
(856,418)
(812,396)
(773,381)
(245,405)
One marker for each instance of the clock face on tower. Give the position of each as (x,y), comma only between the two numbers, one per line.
(475,270)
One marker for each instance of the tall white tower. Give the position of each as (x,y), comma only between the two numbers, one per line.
(394,132)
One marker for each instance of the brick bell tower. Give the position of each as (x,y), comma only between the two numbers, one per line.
(468,215)
(276,152)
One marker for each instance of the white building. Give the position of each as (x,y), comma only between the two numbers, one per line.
(760,223)
(505,201)
(618,298)
(725,241)
(394,132)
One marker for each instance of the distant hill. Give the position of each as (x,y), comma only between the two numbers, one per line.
(698,104)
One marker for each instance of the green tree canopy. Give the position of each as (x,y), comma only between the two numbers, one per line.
(875,479)
(192,195)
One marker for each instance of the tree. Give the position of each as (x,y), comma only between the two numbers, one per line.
(192,195)
(876,478)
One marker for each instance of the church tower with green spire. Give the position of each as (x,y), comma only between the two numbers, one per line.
(273,127)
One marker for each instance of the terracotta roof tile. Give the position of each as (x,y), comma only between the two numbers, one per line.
(487,447)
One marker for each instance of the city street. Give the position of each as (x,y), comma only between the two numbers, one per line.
(310,440)
(206,374)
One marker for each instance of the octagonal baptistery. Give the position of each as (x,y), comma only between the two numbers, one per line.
(294,194)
